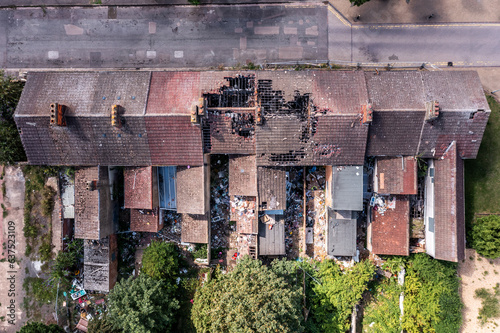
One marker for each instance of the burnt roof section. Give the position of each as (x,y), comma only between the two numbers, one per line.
(449,208)
(231,115)
(319,140)
(341,234)
(391,231)
(347,188)
(173,93)
(145,220)
(92,207)
(190,190)
(272,241)
(271,183)
(138,187)
(85,93)
(243,210)
(173,140)
(100,264)
(397,175)
(242,175)
(194,228)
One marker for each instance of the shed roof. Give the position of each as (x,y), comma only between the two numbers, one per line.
(341,234)
(138,187)
(145,220)
(195,228)
(242,175)
(347,188)
(100,264)
(92,208)
(191,190)
(449,223)
(244,212)
(272,241)
(271,184)
(390,232)
(397,175)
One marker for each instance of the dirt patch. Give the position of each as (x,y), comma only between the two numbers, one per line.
(477,272)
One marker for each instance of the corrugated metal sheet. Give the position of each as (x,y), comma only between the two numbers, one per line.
(347,188)
(167,187)
(341,234)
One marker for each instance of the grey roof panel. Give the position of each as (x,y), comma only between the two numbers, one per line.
(347,188)
(341,235)
(272,242)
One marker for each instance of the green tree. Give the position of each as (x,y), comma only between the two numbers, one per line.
(11,148)
(161,261)
(338,293)
(250,298)
(486,236)
(142,305)
(36,327)
(101,325)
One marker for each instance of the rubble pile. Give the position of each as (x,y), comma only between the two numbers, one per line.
(294,211)
(172,226)
(219,201)
(316,211)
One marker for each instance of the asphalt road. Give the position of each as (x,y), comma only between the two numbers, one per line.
(213,35)
(152,37)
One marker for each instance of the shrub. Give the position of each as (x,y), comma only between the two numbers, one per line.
(490,304)
(161,261)
(48,194)
(486,236)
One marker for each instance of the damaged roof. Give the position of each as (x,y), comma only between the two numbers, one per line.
(272,188)
(100,264)
(341,233)
(242,175)
(195,228)
(390,231)
(93,218)
(449,215)
(396,175)
(399,126)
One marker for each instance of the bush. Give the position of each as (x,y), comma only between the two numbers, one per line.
(382,314)
(48,194)
(39,289)
(36,327)
(200,251)
(486,236)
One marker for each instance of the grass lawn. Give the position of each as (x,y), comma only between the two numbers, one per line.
(482,175)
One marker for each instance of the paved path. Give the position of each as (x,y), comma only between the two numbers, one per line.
(208,36)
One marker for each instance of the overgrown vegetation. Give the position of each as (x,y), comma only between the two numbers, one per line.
(490,302)
(200,251)
(161,261)
(11,148)
(482,175)
(486,236)
(66,263)
(36,327)
(39,290)
(338,293)
(382,314)
(432,302)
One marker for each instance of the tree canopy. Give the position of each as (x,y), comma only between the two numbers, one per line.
(486,236)
(142,305)
(11,148)
(161,261)
(250,298)
(37,327)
